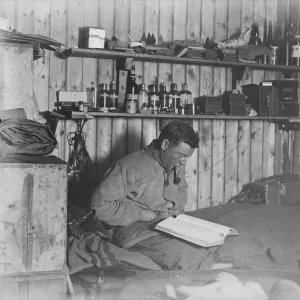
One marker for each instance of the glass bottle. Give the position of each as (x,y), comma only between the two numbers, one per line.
(174,98)
(143,98)
(270,33)
(113,96)
(150,92)
(132,87)
(154,100)
(185,97)
(93,96)
(163,97)
(103,98)
(296,49)
(254,38)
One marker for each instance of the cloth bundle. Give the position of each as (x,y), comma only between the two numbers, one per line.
(22,136)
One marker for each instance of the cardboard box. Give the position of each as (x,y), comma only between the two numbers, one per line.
(65,96)
(91,37)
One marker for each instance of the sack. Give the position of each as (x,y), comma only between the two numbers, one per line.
(22,136)
(283,189)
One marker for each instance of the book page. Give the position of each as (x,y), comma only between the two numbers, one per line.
(191,232)
(207,224)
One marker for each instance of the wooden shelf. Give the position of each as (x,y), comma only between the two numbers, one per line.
(109,54)
(77,115)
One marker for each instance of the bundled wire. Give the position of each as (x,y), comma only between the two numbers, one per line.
(79,157)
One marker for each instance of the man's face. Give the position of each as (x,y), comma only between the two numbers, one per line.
(175,156)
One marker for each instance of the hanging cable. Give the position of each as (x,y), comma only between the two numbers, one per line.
(79,157)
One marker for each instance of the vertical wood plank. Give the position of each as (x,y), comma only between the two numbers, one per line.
(134,141)
(151,26)
(234,13)
(119,138)
(247,19)
(205,163)
(74,64)
(259,18)
(60,137)
(25,16)
(136,31)
(47,208)
(218,150)
(268,149)
(41,65)
(89,65)
(104,145)
(220,34)
(296,153)
(112,20)
(193,33)
(207,31)
(90,131)
(287,151)
(231,159)
(149,132)
(179,33)
(165,35)
(57,66)
(244,154)
(278,150)
(14,219)
(10,8)
(191,175)
(256,149)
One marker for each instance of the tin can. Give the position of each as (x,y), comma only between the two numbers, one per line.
(130,107)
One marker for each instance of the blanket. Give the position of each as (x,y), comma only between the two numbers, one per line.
(90,250)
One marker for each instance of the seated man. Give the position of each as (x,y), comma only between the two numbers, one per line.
(145,187)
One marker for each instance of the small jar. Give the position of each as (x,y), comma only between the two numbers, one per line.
(80,106)
(130,106)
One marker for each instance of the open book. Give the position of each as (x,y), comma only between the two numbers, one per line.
(195,230)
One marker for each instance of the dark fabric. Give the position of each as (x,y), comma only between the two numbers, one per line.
(22,136)
(90,250)
(268,234)
(172,253)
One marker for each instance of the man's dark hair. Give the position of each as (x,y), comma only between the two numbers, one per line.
(176,132)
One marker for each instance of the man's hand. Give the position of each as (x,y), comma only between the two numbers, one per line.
(147,215)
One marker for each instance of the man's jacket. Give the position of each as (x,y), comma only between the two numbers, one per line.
(136,182)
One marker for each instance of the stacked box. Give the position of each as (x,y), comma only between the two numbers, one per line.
(234,104)
(210,105)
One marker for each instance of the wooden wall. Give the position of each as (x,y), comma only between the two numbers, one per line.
(232,152)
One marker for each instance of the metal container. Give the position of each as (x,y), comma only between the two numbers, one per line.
(130,107)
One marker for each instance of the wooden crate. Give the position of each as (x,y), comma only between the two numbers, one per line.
(33,218)
(34,286)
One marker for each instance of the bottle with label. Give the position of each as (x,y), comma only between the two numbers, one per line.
(103,98)
(163,97)
(143,98)
(154,100)
(80,106)
(150,92)
(112,97)
(174,98)
(131,87)
(185,97)
(92,96)
(254,38)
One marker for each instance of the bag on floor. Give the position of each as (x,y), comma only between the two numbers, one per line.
(282,189)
